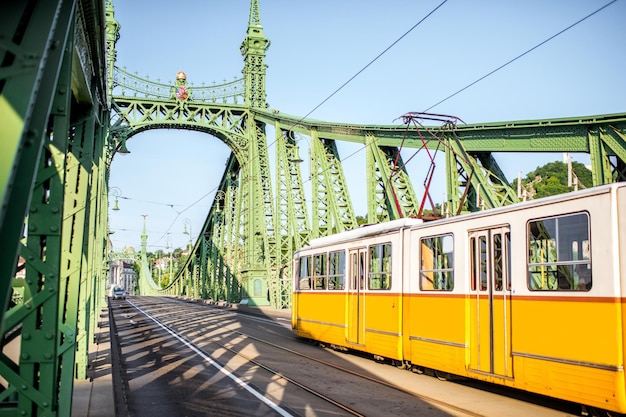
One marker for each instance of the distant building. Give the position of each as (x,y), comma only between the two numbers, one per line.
(121,273)
(162,264)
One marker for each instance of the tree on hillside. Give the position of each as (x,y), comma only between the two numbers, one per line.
(361,220)
(551,179)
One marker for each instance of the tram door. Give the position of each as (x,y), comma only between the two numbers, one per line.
(490,301)
(356,296)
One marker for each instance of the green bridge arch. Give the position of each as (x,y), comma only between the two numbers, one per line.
(61,127)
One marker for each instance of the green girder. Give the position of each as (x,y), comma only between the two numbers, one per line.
(272,231)
(49,208)
(61,128)
(390,192)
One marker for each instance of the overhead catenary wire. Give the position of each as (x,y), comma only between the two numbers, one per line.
(150,202)
(394,43)
(371,62)
(377,57)
(482,77)
(520,55)
(178,213)
(325,100)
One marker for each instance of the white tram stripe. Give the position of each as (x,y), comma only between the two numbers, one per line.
(241,383)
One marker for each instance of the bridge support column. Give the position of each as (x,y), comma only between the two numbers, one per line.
(254,287)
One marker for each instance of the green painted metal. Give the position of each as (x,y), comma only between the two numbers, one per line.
(253,228)
(604,142)
(24,106)
(253,50)
(475,181)
(252,217)
(291,215)
(54,188)
(478,187)
(252,233)
(390,193)
(332,207)
(51,197)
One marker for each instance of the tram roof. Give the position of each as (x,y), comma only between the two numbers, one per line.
(364,231)
(394,225)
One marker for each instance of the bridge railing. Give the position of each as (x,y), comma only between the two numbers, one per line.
(127,84)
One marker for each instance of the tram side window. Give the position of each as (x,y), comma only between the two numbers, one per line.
(380,267)
(319,275)
(559,253)
(304,273)
(354,275)
(336,270)
(502,261)
(437,263)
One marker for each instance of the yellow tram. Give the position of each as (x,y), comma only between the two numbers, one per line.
(529,296)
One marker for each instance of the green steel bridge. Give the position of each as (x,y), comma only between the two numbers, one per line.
(66,110)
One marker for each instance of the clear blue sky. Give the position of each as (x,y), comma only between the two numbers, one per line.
(317,46)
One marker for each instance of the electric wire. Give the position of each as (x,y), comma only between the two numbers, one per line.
(213,190)
(342,86)
(320,104)
(493,71)
(521,55)
(178,213)
(151,202)
(371,62)
(394,43)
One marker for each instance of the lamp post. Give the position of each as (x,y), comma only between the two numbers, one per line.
(115,192)
(299,137)
(168,245)
(219,197)
(187,222)
(120,144)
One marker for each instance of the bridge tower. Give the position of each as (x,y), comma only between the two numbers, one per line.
(257,215)
(240,241)
(64,115)
(253,50)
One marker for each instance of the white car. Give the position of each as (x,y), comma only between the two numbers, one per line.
(118,293)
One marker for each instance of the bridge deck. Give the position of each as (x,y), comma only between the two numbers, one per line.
(95,396)
(160,374)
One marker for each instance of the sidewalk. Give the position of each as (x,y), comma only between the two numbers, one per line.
(244,307)
(93,397)
(266,311)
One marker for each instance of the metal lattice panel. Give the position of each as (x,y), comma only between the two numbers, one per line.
(54,188)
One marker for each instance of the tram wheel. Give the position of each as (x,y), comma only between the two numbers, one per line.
(417,369)
(398,364)
(597,412)
(442,376)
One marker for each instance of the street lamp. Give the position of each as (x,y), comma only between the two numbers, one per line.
(115,192)
(121,143)
(297,138)
(168,245)
(187,222)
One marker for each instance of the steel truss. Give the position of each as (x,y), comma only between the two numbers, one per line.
(60,129)
(53,218)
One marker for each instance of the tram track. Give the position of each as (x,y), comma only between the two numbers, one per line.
(500,391)
(369,378)
(279,374)
(194,324)
(206,354)
(569,409)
